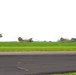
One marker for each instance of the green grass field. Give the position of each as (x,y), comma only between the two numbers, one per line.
(36,46)
(74,73)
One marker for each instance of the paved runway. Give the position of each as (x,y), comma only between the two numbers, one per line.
(36,64)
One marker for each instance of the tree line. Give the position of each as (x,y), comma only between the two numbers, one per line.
(67,40)
(20,39)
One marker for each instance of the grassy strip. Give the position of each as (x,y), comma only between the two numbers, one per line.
(32,48)
(66,74)
(37,44)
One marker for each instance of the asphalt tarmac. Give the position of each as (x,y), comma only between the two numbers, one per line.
(36,64)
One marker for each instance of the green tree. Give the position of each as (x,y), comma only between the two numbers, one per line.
(1,35)
(20,39)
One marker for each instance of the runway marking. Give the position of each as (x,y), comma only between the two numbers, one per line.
(19,62)
(22,68)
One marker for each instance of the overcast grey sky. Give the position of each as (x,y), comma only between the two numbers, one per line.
(39,19)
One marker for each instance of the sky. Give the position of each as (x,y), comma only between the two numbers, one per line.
(38,19)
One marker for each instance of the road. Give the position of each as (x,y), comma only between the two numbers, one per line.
(36,64)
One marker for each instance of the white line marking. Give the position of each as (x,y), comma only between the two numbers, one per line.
(22,68)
